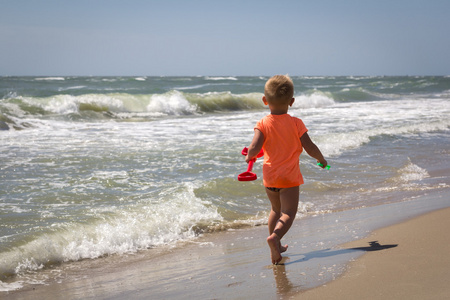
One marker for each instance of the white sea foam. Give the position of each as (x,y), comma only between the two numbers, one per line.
(344,126)
(7,287)
(172,217)
(63,105)
(173,103)
(50,78)
(315,100)
(66,104)
(193,87)
(409,178)
(411,172)
(335,144)
(220,78)
(78,87)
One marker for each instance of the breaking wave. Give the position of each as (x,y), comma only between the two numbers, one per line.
(18,111)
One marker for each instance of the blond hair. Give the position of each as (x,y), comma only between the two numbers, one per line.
(279,89)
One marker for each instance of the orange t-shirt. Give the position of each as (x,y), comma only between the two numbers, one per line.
(282,148)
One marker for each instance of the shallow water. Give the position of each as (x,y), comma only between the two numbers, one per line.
(94,166)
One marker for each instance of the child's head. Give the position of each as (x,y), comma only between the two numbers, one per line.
(279,90)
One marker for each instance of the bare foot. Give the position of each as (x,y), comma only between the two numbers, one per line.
(283,248)
(274,245)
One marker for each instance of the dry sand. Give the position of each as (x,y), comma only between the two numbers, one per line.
(418,268)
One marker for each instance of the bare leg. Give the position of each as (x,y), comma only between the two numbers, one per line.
(275,214)
(281,217)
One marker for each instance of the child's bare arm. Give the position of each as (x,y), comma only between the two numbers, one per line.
(312,149)
(255,146)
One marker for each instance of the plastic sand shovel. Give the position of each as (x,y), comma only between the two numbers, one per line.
(249,176)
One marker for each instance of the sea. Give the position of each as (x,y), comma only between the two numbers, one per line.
(92,167)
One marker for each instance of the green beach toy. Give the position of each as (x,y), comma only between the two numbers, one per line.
(321,165)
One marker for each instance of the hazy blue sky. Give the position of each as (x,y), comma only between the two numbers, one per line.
(228,37)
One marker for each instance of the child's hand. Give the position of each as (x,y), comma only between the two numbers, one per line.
(323,163)
(249,159)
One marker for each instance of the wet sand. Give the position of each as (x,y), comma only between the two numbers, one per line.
(417,268)
(236,264)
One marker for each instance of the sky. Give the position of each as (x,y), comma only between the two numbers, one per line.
(224,37)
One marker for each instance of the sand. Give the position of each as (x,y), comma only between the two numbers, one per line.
(409,261)
(418,268)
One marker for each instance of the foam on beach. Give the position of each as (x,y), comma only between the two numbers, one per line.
(109,167)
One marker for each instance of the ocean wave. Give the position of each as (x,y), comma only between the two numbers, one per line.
(410,172)
(221,78)
(7,287)
(172,103)
(193,87)
(20,111)
(351,94)
(315,99)
(123,105)
(345,126)
(410,177)
(177,215)
(8,122)
(50,78)
(79,87)
(225,101)
(336,143)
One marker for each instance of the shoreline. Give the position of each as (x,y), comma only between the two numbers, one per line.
(416,266)
(234,264)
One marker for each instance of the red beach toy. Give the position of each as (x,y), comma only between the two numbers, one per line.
(249,176)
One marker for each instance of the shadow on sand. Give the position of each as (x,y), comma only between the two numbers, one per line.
(373,246)
(284,285)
